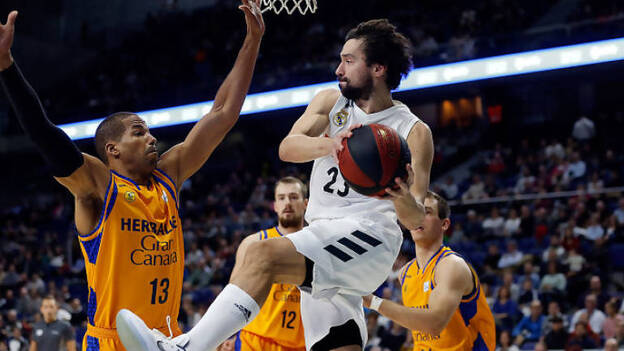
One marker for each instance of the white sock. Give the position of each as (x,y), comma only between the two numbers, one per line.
(230,312)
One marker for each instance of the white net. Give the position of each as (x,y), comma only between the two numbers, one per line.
(289,6)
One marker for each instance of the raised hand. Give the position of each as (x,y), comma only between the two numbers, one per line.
(253,17)
(7,31)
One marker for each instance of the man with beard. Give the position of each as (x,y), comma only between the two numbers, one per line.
(278,326)
(352,240)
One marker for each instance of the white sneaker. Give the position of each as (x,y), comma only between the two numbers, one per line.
(136,336)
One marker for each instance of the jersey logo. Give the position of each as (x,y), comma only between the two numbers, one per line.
(130,196)
(246,313)
(426,286)
(39,332)
(164,197)
(341,117)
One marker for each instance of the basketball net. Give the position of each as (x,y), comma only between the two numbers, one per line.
(290,6)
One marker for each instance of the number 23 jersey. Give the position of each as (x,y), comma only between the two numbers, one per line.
(135,255)
(330,196)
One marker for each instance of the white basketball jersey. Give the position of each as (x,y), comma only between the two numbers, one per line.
(330,196)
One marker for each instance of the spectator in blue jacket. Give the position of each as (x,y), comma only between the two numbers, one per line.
(530,327)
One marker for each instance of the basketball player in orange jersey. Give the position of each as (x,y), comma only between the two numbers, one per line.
(443,303)
(278,325)
(126,202)
(352,240)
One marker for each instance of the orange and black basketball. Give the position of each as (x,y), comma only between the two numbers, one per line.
(372,158)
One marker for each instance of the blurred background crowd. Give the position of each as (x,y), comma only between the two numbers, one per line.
(533,167)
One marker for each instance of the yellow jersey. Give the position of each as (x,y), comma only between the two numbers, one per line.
(135,256)
(279,319)
(472,325)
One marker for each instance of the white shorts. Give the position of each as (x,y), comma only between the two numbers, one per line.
(319,315)
(352,257)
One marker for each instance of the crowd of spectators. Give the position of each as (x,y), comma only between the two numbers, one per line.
(156,66)
(548,266)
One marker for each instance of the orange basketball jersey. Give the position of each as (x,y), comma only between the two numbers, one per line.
(472,325)
(134,258)
(279,319)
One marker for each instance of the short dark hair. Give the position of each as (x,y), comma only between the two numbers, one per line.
(385,46)
(444,211)
(293,180)
(111,128)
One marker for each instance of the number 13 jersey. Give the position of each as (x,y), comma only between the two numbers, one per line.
(330,196)
(135,255)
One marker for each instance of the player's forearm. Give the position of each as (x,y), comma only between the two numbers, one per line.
(425,320)
(299,148)
(6,61)
(410,212)
(231,95)
(53,144)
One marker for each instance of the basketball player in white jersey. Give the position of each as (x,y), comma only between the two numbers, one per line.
(352,240)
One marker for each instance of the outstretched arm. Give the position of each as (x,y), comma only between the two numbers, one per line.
(454,280)
(85,176)
(410,197)
(184,159)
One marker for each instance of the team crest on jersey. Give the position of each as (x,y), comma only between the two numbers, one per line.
(130,196)
(426,286)
(341,117)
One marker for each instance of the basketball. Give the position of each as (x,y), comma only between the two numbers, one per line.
(372,158)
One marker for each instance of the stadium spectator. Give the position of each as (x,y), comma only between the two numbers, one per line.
(530,327)
(505,310)
(512,223)
(596,317)
(493,225)
(555,251)
(557,337)
(17,342)
(525,182)
(581,338)
(505,342)
(527,222)
(554,281)
(473,224)
(584,129)
(554,311)
(449,188)
(512,257)
(529,271)
(528,294)
(610,324)
(595,288)
(576,169)
(476,191)
(619,332)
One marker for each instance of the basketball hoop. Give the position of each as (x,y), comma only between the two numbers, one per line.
(290,6)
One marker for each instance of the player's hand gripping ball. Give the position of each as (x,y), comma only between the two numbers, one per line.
(372,158)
